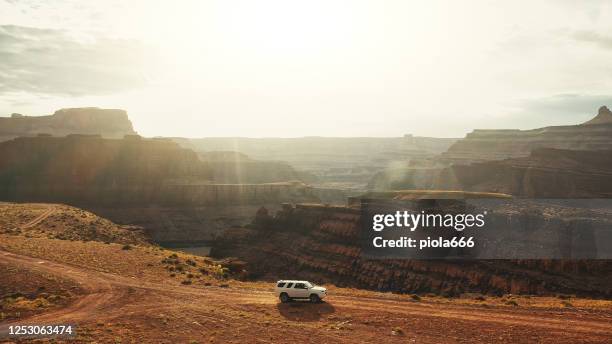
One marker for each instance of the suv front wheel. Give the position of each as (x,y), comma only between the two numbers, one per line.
(314,298)
(284,298)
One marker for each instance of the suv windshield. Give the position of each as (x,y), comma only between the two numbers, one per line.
(308,285)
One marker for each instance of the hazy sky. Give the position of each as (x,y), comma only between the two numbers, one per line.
(298,68)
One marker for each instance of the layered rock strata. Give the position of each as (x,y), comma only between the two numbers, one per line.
(82,169)
(545,173)
(111,123)
(486,145)
(321,243)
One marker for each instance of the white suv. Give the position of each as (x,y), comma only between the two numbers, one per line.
(288,290)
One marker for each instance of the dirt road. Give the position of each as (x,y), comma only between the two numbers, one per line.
(40,218)
(124,307)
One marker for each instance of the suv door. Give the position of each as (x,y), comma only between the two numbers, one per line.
(288,289)
(300,290)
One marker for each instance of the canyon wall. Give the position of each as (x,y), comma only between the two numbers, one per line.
(545,173)
(111,123)
(320,243)
(132,171)
(485,145)
(560,161)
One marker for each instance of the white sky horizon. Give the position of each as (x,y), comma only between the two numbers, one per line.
(332,68)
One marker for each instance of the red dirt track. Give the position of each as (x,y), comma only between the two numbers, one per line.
(131,307)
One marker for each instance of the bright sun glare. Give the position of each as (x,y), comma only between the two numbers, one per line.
(194,36)
(377,68)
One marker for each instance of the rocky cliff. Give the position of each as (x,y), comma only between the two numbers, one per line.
(166,190)
(545,173)
(110,123)
(604,116)
(321,243)
(82,169)
(485,145)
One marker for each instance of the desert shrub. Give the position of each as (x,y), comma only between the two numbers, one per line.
(126,247)
(218,271)
(415,297)
(186,281)
(512,303)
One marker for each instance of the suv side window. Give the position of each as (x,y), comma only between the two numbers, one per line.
(280,285)
(300,286)
(289,285)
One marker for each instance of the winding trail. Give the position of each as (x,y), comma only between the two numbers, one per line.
(40,218)
(108,296)
(111,298)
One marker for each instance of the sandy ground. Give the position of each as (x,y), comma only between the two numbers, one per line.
(129,299)
(124,309)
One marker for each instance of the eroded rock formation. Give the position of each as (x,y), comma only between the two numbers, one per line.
(82,169)
(486,145)
(560,161)
(604,116)
(320,243)
(545,173)
(111,123)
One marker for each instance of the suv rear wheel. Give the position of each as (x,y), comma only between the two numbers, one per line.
(284,298)
(314,298)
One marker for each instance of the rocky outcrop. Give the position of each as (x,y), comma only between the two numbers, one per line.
(320,243)
(604,116)
(82,169)
(546,173)
(561,161)
(111,123)
(486,145)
